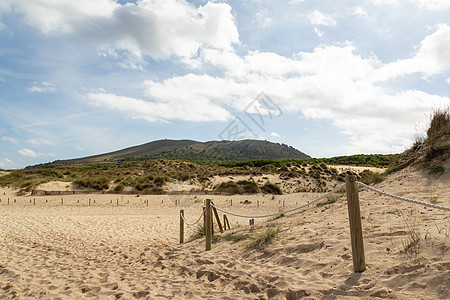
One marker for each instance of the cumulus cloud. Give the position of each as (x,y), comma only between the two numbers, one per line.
(330,82)
(159,28)
(10,139)
(42,87)
(318,18)
(169,109)
(431,58)
(30,153)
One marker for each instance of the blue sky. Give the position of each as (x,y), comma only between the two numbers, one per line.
(79,78)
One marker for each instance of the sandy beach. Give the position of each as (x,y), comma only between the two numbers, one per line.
(120,247)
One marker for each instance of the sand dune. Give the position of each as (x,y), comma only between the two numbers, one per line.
(77,251)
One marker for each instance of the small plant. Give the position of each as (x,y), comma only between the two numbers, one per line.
(235,238)
(261,239)
(438,170)
(411,243)
(198,233)
(271,188)
(330,200)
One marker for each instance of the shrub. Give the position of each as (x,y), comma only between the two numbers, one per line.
(260,239)
(119,187)
(439,124)
(369,177)
(271,188)
(229,187)
(248,186)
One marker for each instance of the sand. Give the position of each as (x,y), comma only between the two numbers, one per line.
(73,250)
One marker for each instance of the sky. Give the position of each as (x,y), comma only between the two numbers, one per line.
(80,78)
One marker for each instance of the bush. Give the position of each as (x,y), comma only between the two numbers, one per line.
(439,124)
(248,187)
(229,187)
(119,187)
(271,188)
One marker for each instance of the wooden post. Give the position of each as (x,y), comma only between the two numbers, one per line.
(217,219)
(225,222)
(231,202)
(208,224)
(354,216)
(62,201)
(89,202)
(181,226)
(257,203)
(8,201)
(34,201)
(147,202)
(117,202)
(283,203)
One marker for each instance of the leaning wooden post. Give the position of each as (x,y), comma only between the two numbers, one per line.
(181,226)
(354,216)
(208,223)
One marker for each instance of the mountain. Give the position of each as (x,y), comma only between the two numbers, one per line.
(212,151)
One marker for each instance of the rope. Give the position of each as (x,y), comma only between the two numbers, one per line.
(279,213)
(188,224)
(403,198)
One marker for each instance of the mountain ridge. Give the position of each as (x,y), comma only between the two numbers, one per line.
(190,150)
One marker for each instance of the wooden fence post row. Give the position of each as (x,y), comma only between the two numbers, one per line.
(354,216)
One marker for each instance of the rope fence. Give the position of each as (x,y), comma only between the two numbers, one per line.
(191,224)
(403,198)
(352,191)
(282,212)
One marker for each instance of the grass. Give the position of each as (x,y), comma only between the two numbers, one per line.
(199,232)
(411,243)
(330,200)
(235,238)
(438,170)
(261,239)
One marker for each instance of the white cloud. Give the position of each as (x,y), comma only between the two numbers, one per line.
(432,57)
(30,153)
(40,141)
(6,163)
(274,134)
(171,108)
(425,4)
(318,32)
(318,18)
(262,19)
(359,11)
(10,139)
(433,4)
(43,87)
(331,82)
(293,2)
(159,28)
(448,80)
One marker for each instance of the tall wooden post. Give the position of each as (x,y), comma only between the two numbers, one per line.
(354,216)
(181,226)
(208,223)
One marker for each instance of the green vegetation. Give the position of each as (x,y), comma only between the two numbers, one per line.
(261,239)
(437,170)
(234,238)
(426,149)
(367,160)
(271,188)
(330,200)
